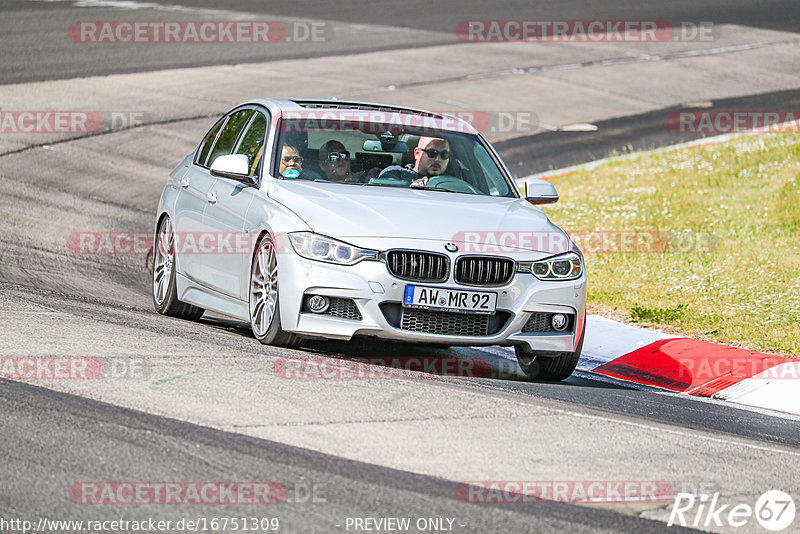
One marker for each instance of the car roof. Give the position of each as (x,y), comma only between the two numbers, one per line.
(314,108)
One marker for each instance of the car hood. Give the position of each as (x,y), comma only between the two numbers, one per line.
(358,212)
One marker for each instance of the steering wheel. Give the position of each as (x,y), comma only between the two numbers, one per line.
(451,183)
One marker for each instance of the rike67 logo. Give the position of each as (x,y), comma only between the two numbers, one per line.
(774,510)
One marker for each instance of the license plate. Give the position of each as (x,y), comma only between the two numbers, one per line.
(437,298)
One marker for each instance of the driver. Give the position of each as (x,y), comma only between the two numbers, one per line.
(431,156)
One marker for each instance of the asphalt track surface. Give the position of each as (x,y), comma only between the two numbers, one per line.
(80,430)
(36,46)
(554,150)
(51,439)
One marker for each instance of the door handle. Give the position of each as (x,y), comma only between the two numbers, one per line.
(185,182)
(211,197)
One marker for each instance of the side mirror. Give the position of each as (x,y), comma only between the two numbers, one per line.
(233,166)
(540,192)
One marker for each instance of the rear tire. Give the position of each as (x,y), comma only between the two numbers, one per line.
(265,317)
(165,291)
(550,368)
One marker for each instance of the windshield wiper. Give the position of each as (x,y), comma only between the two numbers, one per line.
(426,188)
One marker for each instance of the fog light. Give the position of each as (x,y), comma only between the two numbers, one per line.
(318,303)
(559,322)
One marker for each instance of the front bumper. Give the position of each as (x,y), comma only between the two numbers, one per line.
(370,285)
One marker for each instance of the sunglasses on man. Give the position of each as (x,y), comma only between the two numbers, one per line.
(335,156)
(289,159)
(433,153)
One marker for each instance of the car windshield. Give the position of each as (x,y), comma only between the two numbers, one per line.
(387,155)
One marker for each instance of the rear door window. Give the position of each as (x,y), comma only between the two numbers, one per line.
(208,142)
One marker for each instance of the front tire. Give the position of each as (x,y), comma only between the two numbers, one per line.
(265,317)
(165,291)
(550,368)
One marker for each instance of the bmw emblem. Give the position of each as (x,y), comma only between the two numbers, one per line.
(451,247)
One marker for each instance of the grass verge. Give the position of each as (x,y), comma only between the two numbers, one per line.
(703,241)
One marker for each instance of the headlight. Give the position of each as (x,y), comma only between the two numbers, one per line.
(320,248)
(565,267)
